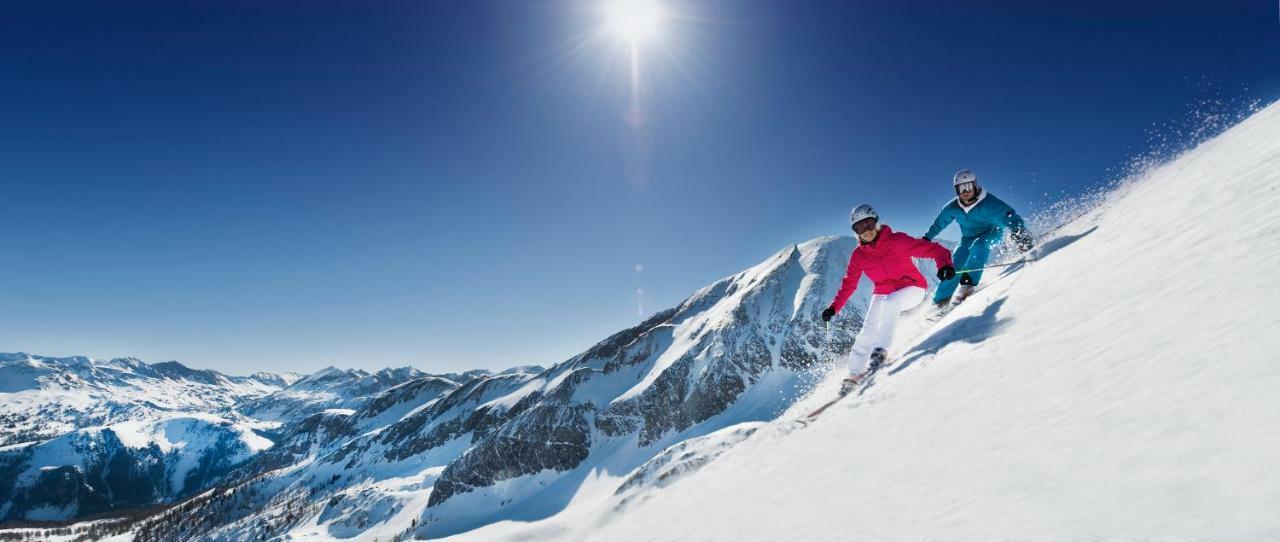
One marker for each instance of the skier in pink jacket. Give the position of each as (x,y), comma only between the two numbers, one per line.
(885,256)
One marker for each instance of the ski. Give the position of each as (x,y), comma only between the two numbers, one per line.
(814,415)
(861,387)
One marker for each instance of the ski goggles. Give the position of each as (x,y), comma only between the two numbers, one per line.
(864,225)
(966,187)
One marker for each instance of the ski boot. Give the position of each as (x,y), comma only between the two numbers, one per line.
(849,383)
(940,309)
(878,357)
(962,293)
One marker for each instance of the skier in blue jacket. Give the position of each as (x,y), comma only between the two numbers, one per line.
(983,219)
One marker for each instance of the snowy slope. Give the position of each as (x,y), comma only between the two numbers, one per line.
(1123,387)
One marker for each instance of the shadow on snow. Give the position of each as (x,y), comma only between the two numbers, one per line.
(1053,245)
(970,329)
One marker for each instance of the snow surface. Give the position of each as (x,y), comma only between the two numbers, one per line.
(1123,387)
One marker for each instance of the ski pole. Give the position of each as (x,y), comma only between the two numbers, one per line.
(826,345)
(996,265)
(1042,235)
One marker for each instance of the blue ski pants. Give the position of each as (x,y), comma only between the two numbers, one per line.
(971,253)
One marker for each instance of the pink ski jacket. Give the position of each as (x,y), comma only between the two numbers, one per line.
(887,262)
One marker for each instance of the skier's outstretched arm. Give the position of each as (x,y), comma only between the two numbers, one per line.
(944,219)
(847,286)
(924,248)
(1011,218)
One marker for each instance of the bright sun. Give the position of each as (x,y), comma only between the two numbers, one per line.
(633,20)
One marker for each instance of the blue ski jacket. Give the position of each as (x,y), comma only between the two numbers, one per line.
(986,216)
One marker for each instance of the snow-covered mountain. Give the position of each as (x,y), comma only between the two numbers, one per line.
(66,423)
(43,397)
(127,464)
(326,389)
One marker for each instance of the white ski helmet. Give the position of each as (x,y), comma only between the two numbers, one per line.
(863,212)
(964,176)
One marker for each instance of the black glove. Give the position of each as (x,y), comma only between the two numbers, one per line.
(827,314)
(1022,238)
(965,279)
(946,273)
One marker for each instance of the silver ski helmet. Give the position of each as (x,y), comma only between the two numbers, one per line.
(964,179)
(864,212)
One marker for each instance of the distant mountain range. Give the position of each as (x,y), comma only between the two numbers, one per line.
(80,436)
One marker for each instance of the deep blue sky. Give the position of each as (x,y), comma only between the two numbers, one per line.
(284,185)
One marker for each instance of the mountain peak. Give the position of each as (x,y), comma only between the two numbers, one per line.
(175,370)
(7,357)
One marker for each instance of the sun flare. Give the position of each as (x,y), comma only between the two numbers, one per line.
(633,20)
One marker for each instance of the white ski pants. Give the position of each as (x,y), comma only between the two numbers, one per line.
(878,324)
